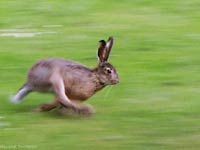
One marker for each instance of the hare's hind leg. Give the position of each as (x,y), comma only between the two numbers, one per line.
(59,90)
(49,106)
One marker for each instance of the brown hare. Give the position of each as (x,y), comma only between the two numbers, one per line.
(68,80)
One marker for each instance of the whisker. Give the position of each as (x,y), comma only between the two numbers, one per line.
(108,92)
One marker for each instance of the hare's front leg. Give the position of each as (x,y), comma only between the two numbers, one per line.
(49,106)
(84,110)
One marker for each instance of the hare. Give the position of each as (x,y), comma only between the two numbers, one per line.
(69,80)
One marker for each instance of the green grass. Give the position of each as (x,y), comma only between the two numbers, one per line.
(154,107)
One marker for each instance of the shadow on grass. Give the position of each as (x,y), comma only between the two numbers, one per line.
(58,113)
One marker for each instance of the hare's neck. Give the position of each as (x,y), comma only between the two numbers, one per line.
(98,83)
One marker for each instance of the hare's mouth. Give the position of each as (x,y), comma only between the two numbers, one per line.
(114,81)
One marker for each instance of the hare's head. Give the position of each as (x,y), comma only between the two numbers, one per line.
(107,72)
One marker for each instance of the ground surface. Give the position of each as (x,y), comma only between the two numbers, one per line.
(157,54)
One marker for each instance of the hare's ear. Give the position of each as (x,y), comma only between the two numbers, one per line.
(109,45)
(102,51)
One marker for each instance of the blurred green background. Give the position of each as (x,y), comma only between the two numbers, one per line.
(156,52)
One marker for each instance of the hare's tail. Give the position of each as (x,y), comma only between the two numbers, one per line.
(23,91)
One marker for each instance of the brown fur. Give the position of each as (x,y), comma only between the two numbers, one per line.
(71,81)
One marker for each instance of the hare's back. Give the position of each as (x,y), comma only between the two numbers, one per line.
(41,71)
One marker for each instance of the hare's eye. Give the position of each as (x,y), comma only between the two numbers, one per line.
(108,70)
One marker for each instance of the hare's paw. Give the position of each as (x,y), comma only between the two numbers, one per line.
(78,110)
(86,110)
(46,107)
